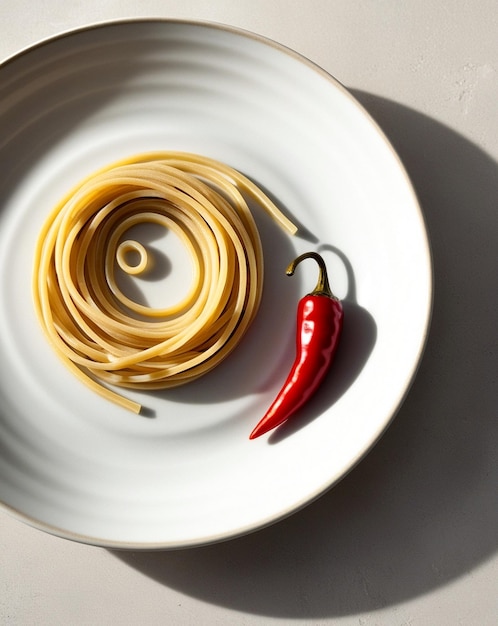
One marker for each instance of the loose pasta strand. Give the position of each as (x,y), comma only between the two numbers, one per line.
(102,335)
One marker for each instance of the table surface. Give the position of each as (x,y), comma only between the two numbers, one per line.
(411,535)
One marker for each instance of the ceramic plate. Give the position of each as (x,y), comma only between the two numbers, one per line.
(186,473)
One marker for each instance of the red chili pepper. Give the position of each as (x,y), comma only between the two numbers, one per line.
(319,325)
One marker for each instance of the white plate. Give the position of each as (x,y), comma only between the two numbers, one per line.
(72,464)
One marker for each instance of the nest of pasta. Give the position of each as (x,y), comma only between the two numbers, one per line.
(101,334)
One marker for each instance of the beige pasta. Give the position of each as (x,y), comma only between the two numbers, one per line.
(102,335)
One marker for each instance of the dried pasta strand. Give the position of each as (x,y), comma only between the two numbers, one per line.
(103,336)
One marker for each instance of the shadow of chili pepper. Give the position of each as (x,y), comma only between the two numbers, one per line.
(358,339)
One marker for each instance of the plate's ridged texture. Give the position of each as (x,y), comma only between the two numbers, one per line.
(72,464)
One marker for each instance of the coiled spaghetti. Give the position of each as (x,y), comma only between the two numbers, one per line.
(102,335)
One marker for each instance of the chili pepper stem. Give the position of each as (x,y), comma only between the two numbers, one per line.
(322,286)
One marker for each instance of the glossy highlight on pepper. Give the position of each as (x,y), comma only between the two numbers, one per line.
(319,325)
